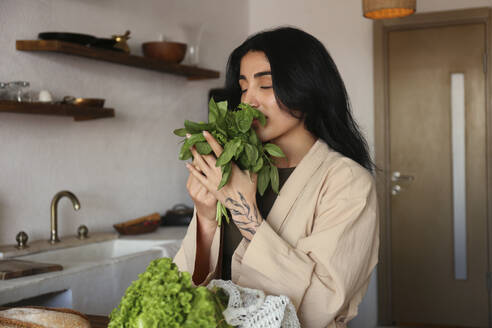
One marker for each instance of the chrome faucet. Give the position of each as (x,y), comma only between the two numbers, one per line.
(54,212)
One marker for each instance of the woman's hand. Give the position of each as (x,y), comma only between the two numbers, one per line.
(238,195)
(205,202)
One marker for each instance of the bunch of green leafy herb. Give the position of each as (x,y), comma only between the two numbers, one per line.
(233,131)
(162,296)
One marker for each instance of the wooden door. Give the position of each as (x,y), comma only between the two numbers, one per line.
(438,164)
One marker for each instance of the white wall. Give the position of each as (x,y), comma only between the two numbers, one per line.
(348,37)
(119,168)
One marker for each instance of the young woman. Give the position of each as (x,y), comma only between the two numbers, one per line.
(317,240)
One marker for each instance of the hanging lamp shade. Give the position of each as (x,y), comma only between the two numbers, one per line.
(383,9)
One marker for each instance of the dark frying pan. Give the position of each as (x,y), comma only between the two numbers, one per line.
(83,39)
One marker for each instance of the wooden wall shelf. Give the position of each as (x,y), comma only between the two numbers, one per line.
(79,113)
(191,72)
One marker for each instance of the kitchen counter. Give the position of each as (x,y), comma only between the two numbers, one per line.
(162,233)
(93,287)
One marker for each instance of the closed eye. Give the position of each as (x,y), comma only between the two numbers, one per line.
(264,87)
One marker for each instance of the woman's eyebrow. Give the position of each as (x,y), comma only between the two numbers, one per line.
(259,74)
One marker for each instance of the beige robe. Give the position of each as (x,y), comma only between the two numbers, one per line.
(318,245)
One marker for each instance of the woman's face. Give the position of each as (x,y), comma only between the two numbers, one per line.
(255,81)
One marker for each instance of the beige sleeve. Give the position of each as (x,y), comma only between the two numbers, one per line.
(330,268)
(185,258)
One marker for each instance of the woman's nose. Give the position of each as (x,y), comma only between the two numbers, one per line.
(250,99)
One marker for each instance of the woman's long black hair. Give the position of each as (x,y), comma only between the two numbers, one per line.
(305,79)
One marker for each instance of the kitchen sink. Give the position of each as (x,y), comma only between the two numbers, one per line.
(96,271)
(99,251)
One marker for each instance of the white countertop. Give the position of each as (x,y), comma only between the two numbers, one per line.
(162,233)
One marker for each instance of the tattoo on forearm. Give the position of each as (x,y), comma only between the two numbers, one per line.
(233,202)
(245,216)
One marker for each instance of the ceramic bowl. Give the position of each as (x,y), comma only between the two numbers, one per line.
(171,52)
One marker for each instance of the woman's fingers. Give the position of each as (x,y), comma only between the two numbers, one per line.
(204,169)
(197,190)
(204,163)
(198,161)
(210,159)
(200,177)
(193,186)
(216,147)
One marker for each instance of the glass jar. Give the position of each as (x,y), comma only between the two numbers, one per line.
(3,91)
(17,91)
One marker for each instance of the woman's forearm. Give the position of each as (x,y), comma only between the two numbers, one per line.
(204,238)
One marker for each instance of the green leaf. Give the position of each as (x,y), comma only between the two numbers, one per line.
(194,127)
(244,118)
(222,139)
(245,106)
(251,154)
(193,139)
(239,149)
(221,128)
(226,173)
(259,115)
(255,112)
(221,210)
(231,125)
(224,211)
(185,153)
(213,111)
(220,122)
(253,138)
(180,132)
(229,151)
(263,179)
(222,109)
(203,148)
(274,150)
(274,178)
(243,162)
(258,165)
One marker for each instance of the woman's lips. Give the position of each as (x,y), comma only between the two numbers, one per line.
(256,122)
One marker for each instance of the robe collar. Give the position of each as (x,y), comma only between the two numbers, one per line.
(296,182)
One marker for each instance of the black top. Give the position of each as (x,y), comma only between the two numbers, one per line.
(232,236)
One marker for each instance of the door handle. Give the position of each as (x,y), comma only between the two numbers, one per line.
(395,190)
(397,176)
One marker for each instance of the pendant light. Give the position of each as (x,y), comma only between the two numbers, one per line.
(383,9)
